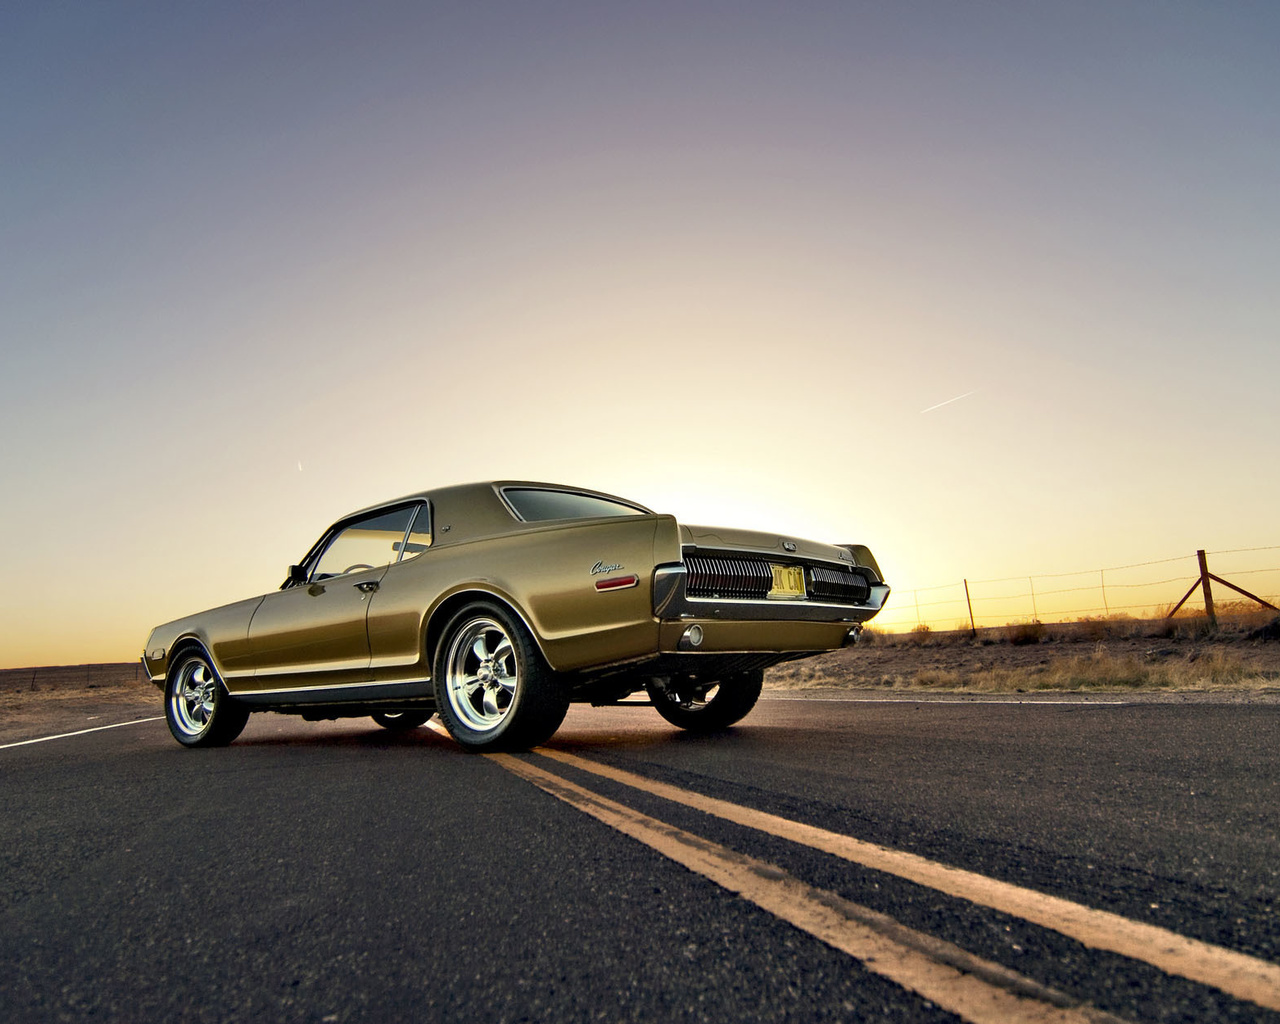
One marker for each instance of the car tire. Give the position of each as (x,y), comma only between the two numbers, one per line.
(400,721)
(494,690)
(197,707)
(709,708)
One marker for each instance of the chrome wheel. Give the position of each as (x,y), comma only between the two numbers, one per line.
(494,689)
(197,706)
(192,698)
(709,706)
(482,674)
(693,698)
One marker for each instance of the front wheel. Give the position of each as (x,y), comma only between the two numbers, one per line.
(494,690)
(706,707)
(197,707)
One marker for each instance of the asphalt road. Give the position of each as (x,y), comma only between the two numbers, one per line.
(337,872)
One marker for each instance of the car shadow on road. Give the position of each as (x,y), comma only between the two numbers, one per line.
(580,741)
(351,732)
(582,736)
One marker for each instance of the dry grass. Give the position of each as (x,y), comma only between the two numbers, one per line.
(1107,654)
(1021,633)
(1104,671)
(1234,619)
(1190,623)
(1234,615)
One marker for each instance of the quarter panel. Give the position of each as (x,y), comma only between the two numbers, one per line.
(549,574)
(554,579)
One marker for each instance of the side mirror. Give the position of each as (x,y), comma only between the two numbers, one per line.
(297,574)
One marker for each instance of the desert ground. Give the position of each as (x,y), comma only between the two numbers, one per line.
(1179,659)
(1173,655)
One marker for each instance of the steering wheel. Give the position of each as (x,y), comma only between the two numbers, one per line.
(357,565)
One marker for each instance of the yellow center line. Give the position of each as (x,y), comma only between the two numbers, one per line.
(1237,974)
(977,990)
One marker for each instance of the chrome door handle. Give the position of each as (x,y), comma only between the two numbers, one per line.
(367,587)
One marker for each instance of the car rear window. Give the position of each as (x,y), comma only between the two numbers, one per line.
(535,505)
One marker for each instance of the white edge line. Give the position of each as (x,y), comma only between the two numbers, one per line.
(937,700)
(66,735)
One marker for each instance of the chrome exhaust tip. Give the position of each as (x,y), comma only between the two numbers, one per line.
(691,639)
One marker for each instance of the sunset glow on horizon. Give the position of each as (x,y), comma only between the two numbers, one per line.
(988,288)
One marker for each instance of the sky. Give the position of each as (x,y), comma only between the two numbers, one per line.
(989,287)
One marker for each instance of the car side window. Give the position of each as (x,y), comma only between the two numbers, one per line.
(366,544)
(419,538)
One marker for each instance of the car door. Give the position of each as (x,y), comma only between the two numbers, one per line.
(314,633)
(397,610)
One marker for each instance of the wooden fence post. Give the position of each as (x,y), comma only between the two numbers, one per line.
(973,630)
(1204,583)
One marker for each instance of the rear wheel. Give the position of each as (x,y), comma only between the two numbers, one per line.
(706,707)
(197,707)
(400,721)
(494,690)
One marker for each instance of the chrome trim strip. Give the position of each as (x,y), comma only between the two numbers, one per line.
(308,689)
(777,602)
(413,521)
(338,693)
(404,539)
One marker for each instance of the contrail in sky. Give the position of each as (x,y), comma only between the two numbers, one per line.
(947,402)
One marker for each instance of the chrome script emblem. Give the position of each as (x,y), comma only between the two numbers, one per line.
(601,567)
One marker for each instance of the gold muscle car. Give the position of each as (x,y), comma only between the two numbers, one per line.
(497,605)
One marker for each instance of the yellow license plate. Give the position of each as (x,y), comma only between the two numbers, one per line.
(788,582)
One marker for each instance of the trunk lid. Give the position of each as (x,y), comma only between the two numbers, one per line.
(715,538)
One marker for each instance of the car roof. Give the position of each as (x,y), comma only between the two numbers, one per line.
(482,496)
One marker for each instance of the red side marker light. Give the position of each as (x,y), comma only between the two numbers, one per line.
(617,583)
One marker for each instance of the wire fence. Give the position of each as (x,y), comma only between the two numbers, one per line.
(1143,590)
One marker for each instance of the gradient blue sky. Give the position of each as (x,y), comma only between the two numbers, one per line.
(715,257)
